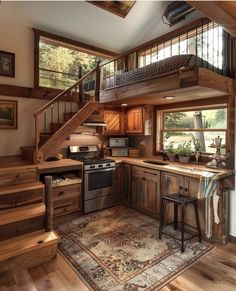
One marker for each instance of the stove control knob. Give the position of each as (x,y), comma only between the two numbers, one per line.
(91,167)
(100,166)
(108,165)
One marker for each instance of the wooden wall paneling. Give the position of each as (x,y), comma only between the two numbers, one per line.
(221,12)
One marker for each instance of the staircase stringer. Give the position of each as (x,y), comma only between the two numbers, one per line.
(54,142)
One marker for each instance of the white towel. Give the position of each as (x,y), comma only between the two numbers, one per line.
(208,187)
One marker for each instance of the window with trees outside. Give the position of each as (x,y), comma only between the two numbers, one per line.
(61,65)
(204,41)
(184,125)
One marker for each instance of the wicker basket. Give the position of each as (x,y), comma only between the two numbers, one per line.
(134,153)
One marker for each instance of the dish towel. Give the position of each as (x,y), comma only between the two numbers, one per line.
(208,187)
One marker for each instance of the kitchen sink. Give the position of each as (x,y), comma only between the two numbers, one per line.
(156,162)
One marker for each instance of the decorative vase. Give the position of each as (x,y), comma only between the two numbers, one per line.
(184,159)
(171,156)
(197,156)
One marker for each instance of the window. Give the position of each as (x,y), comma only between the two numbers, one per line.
(202,123)
(60,66)
(60,62)
(205,41)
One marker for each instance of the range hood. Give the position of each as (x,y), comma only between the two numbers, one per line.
(95,123)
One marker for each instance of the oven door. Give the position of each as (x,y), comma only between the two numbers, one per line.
(98,183)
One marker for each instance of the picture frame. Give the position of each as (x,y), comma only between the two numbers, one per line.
(8,114)
(7,64)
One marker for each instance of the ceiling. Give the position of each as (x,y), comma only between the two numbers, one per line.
(87,23)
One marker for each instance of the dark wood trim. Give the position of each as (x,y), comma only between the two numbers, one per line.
(231,131)
(15,91)
(36,60)
(80,45)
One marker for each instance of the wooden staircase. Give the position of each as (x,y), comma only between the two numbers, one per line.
(61,116)
(24,239)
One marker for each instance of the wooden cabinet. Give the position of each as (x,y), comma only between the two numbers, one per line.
(146,189)
(115,122)
(126,183)
(134,120)
(174,183)
(118,183)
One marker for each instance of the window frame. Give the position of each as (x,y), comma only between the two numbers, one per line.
(66,42)
(210,103)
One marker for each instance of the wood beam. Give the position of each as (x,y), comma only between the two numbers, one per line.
(221,12)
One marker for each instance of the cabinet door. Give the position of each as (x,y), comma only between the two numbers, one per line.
(115,122)
(134,120)
(126,182)
(191,186)
(146,190)
(170,184)
(118,183)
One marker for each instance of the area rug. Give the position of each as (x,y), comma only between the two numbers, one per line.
(116,249)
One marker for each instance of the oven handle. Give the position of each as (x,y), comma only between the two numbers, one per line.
(98,170)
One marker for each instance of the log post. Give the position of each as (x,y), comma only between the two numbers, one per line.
(48,202)
(97,82)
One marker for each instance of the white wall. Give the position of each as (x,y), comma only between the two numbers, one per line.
(18,39)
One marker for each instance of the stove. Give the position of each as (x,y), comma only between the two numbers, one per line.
(98,177)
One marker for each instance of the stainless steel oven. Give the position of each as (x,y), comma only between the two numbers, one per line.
(99,189)
(98,178)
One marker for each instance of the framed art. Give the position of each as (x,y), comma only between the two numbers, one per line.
(120,8)
(7,64)
(8,114)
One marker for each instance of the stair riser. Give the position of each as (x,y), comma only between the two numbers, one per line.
(14,177)
(21,198)
(30,259)
(22,227)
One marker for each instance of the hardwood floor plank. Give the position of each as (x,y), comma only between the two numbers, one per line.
(214,272)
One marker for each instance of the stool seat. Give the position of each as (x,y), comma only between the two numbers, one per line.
(183,201)
(179,198)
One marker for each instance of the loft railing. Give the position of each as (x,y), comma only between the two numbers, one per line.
(202,38)
(50,117)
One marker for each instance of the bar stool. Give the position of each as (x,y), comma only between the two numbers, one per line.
(183,201)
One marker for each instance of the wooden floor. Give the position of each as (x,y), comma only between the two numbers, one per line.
(214,272)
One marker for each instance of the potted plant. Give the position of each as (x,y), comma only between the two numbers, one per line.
(170,151)
(184,150)
(196,147)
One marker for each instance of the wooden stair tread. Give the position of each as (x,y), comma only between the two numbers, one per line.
(21,187)
(26,243)
(21,213)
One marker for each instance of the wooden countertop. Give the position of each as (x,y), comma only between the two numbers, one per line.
(191,170)
(60,164)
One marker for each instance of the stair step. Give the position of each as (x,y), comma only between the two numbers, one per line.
(26,243)
(22,213)
(21,187)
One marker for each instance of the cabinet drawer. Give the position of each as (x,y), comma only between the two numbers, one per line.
(22,198)
(13,177)
(68,191)
(145,171)
(62,207)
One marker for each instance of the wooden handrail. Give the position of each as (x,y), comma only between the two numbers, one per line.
(51,102)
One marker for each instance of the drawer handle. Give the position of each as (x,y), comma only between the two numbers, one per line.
(61,193)
(144,178)
(186,189)
(18,175)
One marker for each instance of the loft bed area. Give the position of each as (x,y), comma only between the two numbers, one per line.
(159,69)
(192,62)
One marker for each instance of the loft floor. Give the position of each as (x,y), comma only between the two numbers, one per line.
(215,271)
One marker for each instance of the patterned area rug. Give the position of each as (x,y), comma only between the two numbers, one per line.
(116,250)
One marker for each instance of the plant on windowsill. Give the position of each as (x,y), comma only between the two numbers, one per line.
(170,151)
(196,148)
(184,151)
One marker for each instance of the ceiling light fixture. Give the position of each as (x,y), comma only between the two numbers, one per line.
(169,97)
(124,104)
